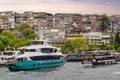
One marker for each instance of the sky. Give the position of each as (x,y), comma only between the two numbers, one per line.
(110,7)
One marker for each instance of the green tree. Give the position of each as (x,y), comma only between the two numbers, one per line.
(27,31)
(25,42)
(22,26)
(80,44)
(76,45)
(9,34)
(4,39)
(118,49)
(104,22)
(16,42)
(94,46)
(110,47)
(68,48)
(117,40)
(32,36)
(1,46)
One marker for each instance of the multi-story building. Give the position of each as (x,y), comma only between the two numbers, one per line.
(77,20)
(11,19)
(115,23)
(97,37)
(7,19)
(73,36)
(90,22)
(20,18)
(63,20)
(35,19)
(55,35)
(4,23)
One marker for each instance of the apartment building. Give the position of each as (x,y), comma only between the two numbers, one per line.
(4,23)
(63,20)
(97,37)
(77,20)
(90,22)
(7,20)
(115,23)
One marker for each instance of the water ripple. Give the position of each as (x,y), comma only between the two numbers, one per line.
(70,71)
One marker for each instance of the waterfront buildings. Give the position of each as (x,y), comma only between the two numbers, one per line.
(65,25)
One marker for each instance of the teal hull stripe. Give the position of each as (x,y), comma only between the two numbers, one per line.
(26,65)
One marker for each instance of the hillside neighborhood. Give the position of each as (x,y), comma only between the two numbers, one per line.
(63,26)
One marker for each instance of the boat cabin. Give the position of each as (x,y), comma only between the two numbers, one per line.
(41,49)
(100,57)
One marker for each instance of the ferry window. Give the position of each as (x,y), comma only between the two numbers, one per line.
(55,50)
(50,43)
(20,59)
(32,50)
(2,58)
(27,50)
(36,58)
(46,50)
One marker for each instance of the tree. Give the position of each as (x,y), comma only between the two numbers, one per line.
(117,40)
(110,47)
(9,34)
(104,22)
(68,48)
(22,26)
(1,46)
(16,42)
(32,36)
(27,31)
(94,46)
(80,44)
(4,39)
(76,45)
(118,49)
(24,42)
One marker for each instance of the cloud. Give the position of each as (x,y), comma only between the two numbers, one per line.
(63,6)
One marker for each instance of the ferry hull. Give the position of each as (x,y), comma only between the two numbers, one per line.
(30,65)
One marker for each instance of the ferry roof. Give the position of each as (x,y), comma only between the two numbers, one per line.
(28,54)
(36,47)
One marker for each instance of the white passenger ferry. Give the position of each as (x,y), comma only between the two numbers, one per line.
(40,54)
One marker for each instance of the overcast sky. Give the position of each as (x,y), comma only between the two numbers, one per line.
(63,6)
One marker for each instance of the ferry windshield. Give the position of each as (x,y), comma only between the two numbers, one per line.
(46,50)
(30,50)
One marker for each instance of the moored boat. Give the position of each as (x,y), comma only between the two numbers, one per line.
(7,55)
(100,58)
